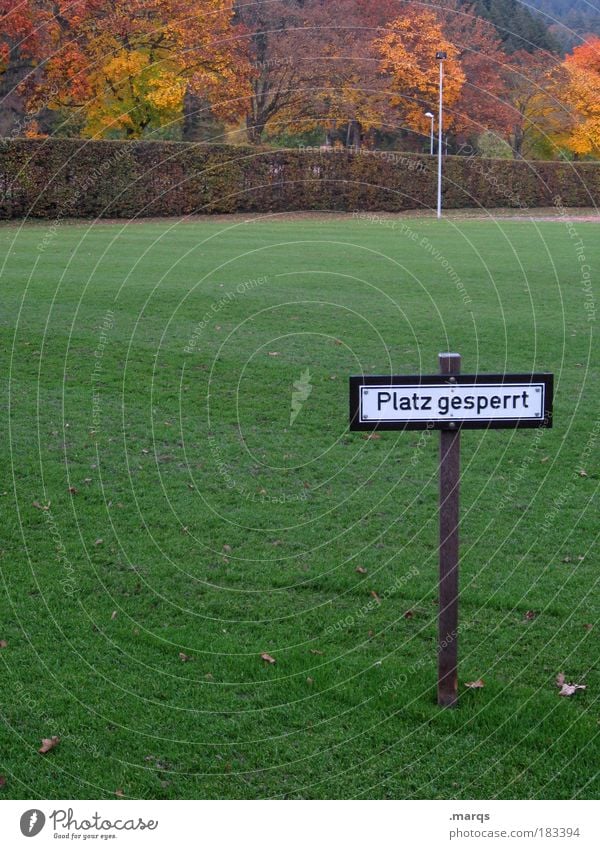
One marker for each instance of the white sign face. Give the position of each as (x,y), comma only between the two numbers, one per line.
(445,402)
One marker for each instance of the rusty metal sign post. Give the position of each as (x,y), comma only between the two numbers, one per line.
(450,402)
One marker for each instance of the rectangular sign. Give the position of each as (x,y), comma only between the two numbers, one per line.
(413,402)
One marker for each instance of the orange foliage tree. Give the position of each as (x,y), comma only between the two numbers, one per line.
(407,52)
(126,64)
(582,91)
(538,111)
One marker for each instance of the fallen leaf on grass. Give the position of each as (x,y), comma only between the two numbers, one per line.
(372,436)
(475,685)
(119,792)
(267,658)
(3,644)
(183,657)
(361,570)
(588,626)
(98,541)
(48,743)
(273,353)
(227,549)
(375,596)
(567,689)
(583,473)
(114,614)
(310,681)
(409,614)
(73,490)
(315,651)
(39,506)
(2,781)
(530,614)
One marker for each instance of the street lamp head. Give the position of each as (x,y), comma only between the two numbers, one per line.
(441,55)
(429,115)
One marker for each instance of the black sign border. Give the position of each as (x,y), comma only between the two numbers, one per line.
(454,424)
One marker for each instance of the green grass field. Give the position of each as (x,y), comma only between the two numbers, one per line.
(200,521)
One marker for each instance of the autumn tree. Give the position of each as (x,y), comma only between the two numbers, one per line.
(407,52)
(533,85)
(18,47)
(127,65)
(581,89)
(283,42)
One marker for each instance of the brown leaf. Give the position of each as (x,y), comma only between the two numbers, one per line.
(361,570)
(475,685)
(39,506)
(375,596)
(48,743)
(183,657)
(98,541)
(315,651)
(409,614)
(530,614)
(3,644)
(2,781)
(583,473)
(73,490)
(372,436)
(119,793)
(571,689)
(227,549)
(567,689)
(310,681)
(588,626)
(267,658)
(114,614)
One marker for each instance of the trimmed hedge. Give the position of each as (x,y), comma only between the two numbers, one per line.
(64,178)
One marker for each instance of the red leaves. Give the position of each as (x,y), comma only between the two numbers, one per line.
(475,685)
(48,743)
(567,689)
(267,658)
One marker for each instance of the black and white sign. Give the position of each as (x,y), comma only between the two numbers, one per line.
(440,402)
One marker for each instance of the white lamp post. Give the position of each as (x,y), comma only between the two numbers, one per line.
(431,117)
(440,56)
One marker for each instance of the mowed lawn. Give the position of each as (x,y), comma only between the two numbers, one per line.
(164,524)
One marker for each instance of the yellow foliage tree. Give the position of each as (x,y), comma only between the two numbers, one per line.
(408,58)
